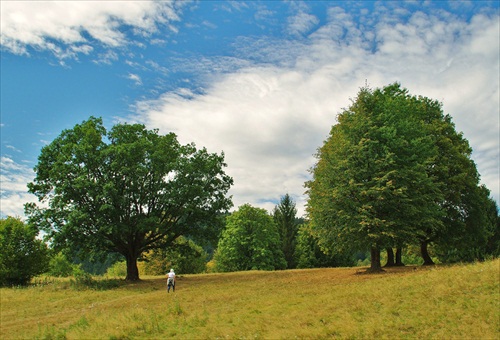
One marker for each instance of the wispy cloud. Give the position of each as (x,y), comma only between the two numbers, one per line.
(67,28)
(270,104)
(301,23)
(106,58)
(270,118)
(13,148)
(13,192)
(135,78)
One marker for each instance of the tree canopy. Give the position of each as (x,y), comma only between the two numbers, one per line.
(22,255)
(250,241)
(127,190)
(393,172)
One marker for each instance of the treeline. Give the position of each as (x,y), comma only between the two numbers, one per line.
(252,239)
(393,176)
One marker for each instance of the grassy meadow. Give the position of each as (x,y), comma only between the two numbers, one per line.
(443,302)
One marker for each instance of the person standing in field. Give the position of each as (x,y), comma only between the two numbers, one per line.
(171,281)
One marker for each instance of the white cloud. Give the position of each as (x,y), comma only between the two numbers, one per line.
(67,28)
(301,23)
(13,191)
(106,58)
(270,119)
(135,78)
(272,104)
(13,148)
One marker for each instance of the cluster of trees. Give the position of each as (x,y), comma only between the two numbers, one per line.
(394,173)
(254,239)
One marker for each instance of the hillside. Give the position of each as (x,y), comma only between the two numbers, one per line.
(460,301)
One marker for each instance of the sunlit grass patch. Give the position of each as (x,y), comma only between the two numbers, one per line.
(458,301)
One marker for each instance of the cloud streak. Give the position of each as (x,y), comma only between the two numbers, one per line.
(135,78)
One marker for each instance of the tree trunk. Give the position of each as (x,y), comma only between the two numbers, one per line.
(399,259)
(390,258)
(375,261)
(425,254)
(132,270)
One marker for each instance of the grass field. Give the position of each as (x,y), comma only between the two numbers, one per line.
(445,302)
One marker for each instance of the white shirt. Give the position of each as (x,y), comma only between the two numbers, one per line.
(171,275)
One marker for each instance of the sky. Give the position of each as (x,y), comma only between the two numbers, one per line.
(262,81)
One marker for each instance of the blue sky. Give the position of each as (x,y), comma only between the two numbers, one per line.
(262,81)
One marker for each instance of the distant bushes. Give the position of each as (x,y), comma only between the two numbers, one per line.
(59,266)
(119,269)
(83,280)
(185,256)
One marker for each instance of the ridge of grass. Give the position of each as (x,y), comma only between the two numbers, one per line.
(459,301)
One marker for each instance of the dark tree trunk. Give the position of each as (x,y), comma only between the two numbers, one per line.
(132,270)
(425,254)
(399,255)
(390,258)
(375,261)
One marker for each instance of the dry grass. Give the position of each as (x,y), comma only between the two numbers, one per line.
(460,301)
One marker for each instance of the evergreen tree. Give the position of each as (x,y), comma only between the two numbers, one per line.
(284,215)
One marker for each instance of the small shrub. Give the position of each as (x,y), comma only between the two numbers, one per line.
(119,269)
(42,281)
(412,259)
(211,266)
(82,279)
(363,263)
(59,266)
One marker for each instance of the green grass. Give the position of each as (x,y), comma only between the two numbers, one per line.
(444,302)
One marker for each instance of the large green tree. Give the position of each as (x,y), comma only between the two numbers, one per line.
(285,217)
(22,255)
(250,241)
(127,190)
(464,202)
(371,187)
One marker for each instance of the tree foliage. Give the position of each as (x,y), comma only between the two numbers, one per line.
(22,255)
(127,191)
(393,172)
(250,241)
(308,253)
(60,266)
(285,217)
(471,235)
(185,256)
